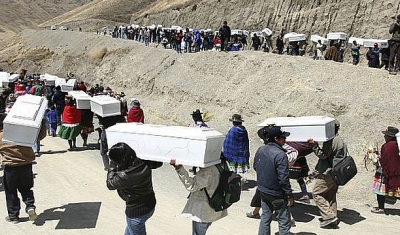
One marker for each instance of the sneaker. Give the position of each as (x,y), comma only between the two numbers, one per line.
(12,220)
(376,210)
(253,216)
(32,214)
(325,223)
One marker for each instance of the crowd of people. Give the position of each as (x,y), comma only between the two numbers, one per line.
(224,40)
(275,162)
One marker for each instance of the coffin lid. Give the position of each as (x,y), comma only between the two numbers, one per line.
(297,121)
(79,95)
(104,99)
(25,110)
(183,132)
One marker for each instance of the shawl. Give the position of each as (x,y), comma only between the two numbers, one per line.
(390,161)
(135,115)
(236,145)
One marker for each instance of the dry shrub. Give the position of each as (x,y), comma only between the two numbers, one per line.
(97,54)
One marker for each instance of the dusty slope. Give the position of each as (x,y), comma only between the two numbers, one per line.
(257,85)
(368,18)
(16,15)
(103,10)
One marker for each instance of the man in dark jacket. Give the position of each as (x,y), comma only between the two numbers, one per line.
(272,168)
(395,46)
(59,101)
(132,178)
(225,33)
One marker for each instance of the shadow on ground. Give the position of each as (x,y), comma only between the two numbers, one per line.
(306,212)
(392,211)
(249,184)
(72,216)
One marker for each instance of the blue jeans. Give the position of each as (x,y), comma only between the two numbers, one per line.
(270,204)
(200,228)
(136,225)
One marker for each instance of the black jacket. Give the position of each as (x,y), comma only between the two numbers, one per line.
(134,186)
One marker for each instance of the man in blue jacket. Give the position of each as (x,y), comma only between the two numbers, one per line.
(272,168)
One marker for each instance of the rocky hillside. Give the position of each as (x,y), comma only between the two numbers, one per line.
(363,18)
(100,13)
(16,15)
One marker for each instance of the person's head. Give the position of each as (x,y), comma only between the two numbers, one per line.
(69,100)
(196,115)
(122,155)
(376,45)
(225,22)
(236,119)
(319,41)
(390,133)
(355,43)
(135,102)
(262,133)
(53,108)
(337,126)
(254,35)
(276,135)
(58,88)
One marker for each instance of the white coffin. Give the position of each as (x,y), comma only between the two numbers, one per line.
(82,99)
(258,33)
(237,32)
(105,106)
(319,128)
(49,80)
(297,38)
(315,38)
(267,32)
(188,145)
(398,141)
(336,36)
(22,124)
(371,42)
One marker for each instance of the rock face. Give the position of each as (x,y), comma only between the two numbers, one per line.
(359,18)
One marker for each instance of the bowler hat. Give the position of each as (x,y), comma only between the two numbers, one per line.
(277,132)
(196,112)
(236,118)
(391,131)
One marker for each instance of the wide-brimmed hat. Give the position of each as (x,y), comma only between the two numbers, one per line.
(196,112)
(391,131)
(276,131)
(236,118)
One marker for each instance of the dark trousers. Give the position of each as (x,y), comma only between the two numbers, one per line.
(381,201)
(18,178)
(394,53)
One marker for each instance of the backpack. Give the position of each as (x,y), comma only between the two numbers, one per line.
(344,170)
(228,190)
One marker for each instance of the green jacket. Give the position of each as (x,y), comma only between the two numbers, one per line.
(332,152)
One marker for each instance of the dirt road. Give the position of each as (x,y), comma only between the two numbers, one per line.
(72,198)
